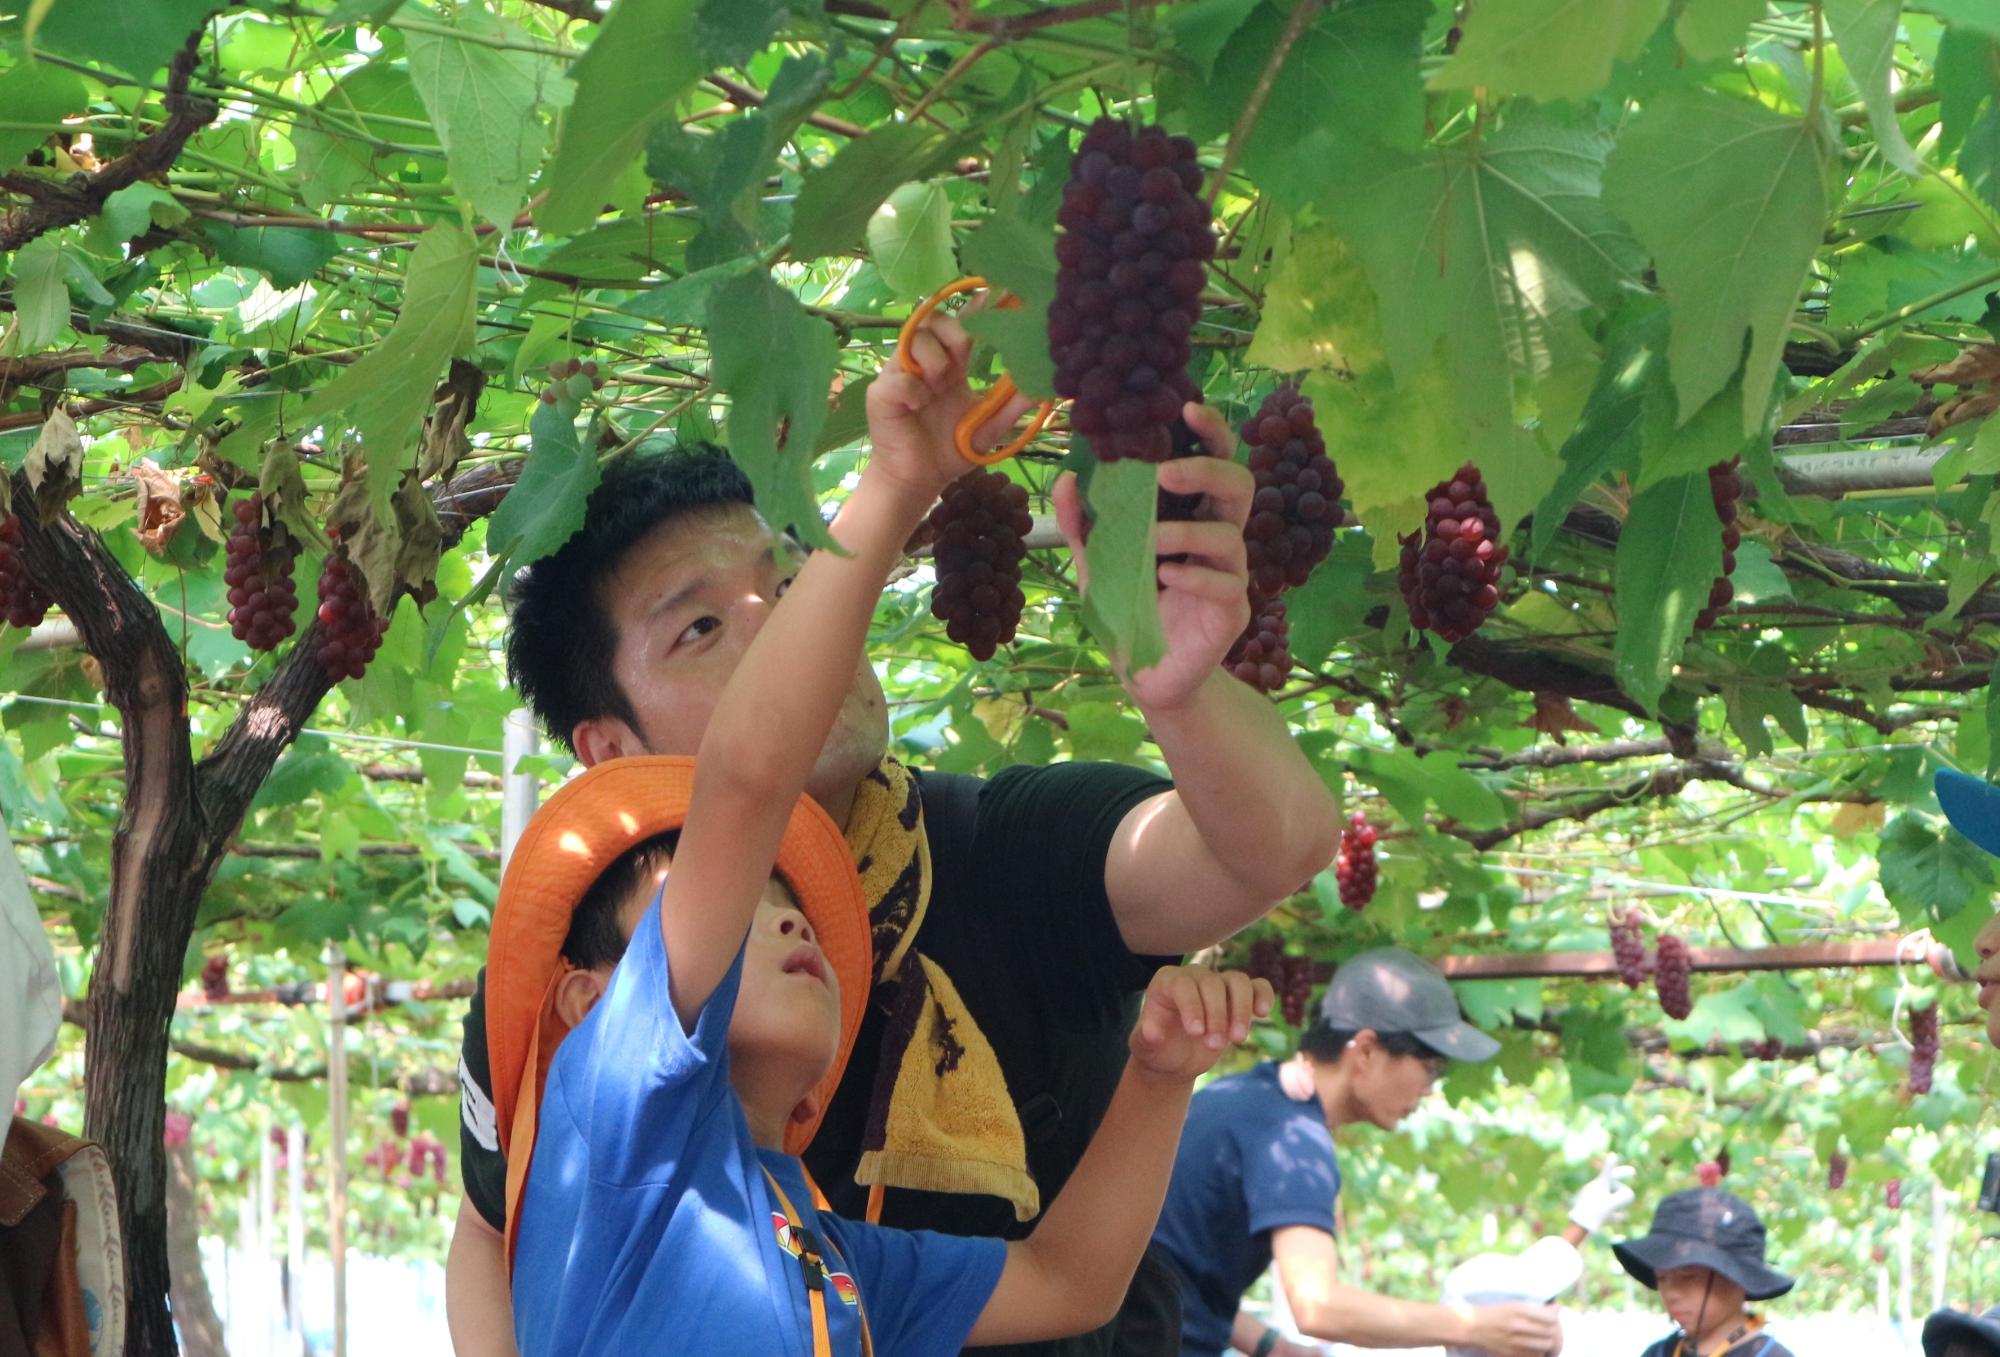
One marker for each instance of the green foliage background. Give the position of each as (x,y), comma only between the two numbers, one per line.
(1594,247)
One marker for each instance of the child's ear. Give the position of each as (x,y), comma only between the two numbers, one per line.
(576,994)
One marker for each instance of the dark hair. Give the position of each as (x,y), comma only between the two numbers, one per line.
(1323,1042)
(561,638)
(595,937)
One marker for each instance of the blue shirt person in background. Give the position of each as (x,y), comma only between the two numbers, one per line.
(1256,1176)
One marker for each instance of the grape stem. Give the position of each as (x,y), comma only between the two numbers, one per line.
(1246,121)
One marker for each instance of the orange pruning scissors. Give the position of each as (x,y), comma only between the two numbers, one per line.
(995,397)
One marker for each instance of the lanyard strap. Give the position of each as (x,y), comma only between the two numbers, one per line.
(813,1265)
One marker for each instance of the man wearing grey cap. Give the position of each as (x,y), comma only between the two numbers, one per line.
(1256,1176)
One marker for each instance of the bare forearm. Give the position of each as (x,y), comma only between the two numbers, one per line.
(1337,1313)
(478,1307)
(1246,1333)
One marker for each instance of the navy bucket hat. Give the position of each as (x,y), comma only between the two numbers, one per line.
(1972,805)
(1948,1327)
(1705,1227)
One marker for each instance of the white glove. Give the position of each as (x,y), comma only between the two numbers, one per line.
(1604,1197)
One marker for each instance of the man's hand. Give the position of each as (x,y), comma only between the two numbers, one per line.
(1516,1330)
(912,417)
(1191,1015)
(1604,1198)
(1204,599)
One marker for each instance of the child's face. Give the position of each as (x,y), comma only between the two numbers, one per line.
(788,1010)
(1987,944)
(1699,1299)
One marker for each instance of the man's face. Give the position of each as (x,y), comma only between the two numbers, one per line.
(1389,1087)
(1698,1299)
(1988,946)
(686,601)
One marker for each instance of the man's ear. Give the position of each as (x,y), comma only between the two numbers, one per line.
(576,994)
(604,737)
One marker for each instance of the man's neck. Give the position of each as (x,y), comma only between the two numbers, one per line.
(1303,1078)
(1710,1337)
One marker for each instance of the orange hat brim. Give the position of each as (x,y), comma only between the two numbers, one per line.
(584,827)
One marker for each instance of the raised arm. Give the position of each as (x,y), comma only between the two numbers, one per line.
(1249,820)
(1327,1309)
(1070,1275)
(773,716)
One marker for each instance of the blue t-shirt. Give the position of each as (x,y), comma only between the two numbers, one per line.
(1252,1160)
(647,1224)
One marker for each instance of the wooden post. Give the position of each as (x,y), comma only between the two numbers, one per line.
(336,1098)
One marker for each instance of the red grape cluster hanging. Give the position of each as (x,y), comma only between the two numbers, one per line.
(979,530)
(1725,487)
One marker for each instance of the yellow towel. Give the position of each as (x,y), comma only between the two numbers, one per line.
(940,1118)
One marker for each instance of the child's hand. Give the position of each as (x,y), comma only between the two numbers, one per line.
(912,418)
(1191,1015)
(1204,599)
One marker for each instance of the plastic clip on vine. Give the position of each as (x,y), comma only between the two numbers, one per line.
(996,396)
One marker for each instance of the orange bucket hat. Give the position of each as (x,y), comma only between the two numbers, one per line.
(582,829)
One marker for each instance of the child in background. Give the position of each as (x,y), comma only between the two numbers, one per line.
(1705,1256)
(660,1205)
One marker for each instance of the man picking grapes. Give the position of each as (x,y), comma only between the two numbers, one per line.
(1256,1177)
(1032,907)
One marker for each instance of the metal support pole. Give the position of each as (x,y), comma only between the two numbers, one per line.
(336,1098)
(1940,1244)
(521,738)
(1903,1241)
(295,1231)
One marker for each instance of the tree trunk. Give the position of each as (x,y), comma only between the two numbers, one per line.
(194,1309)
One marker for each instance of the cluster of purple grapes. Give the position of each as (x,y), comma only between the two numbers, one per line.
(1291,976)
(1923,1047)
(979,530)
(1450,574)
(1297,504)
(1836,1172)
(1725,487)
(262,598)
(1132,263)
(1354,867)
(215,978)
(1262,655)
(23,603)
(350,632)
(1628,947)
(1671,970)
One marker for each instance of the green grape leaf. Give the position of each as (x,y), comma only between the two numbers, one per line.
(1712,29)
(1122,604)
(484,103)
(1202,27)
(1486,250)
(1729,198)
(1715,434)
(133,210)
(1929,871)
(287,255)
(909,238)
(1610,433)
(35,92)
(836,201)
(1866,32)
(385,393)
(637,67)
(1311,308)
(41,298)
(1332,602)
(1018,257)
(775,408)
(1547,49)
(1668,557)
(544,509)
(132,37)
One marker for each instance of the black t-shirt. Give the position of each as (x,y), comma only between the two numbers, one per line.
(1756,1345)
(1020,921)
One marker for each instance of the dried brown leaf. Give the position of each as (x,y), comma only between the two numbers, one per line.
(1554,716)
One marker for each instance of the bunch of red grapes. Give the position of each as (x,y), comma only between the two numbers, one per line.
(1450,574)
(215,978)
(1132,263)
(1670,977)
(262,598)
(1354,865)
(1262,655)
(1836,1172)
(1923,1047)
(23,603)
(1297,504)
(1893,1194)
(349,631)
(1290,976)
(979,530)
(1725,487)
(425,1147)
(1628,947)
(399,1118)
